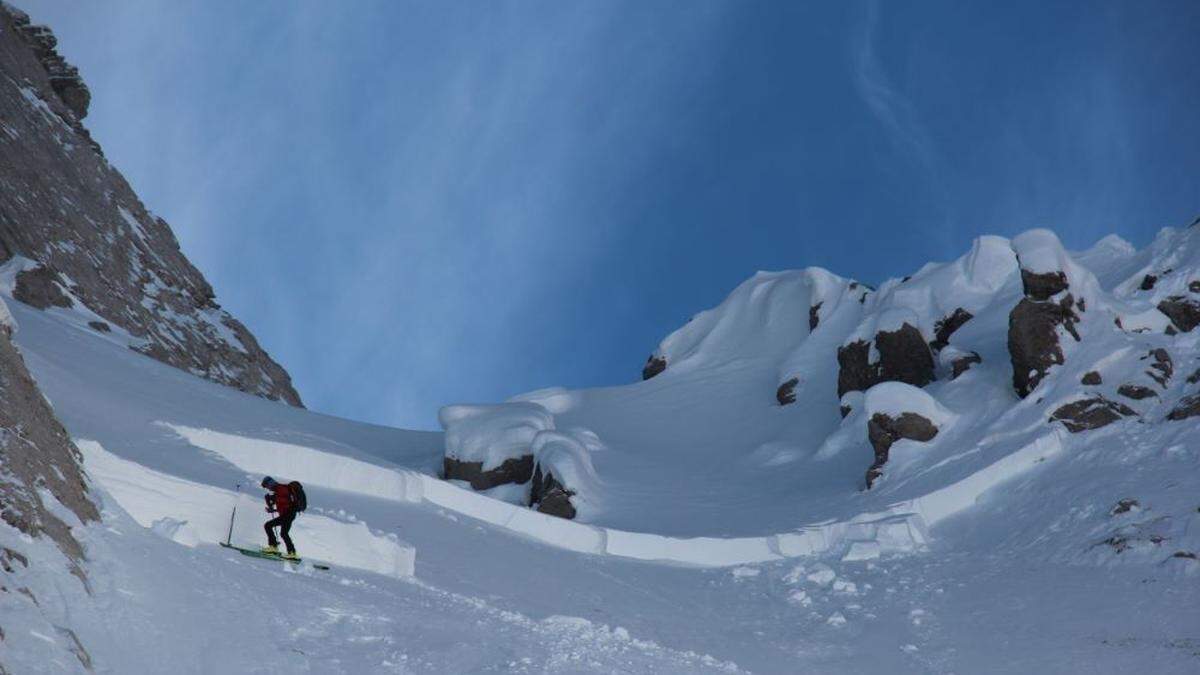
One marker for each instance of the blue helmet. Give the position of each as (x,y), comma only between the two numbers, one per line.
(267,481)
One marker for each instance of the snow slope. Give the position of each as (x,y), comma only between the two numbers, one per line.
(728,532)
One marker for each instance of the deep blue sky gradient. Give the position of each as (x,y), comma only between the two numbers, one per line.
(420,203)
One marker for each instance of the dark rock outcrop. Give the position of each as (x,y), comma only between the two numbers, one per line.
(1033,342)
(514,470)
(1148,282)
(963,363)
(786,393)
(1090,413)
(883,431)
(654,366)
(1042,287)
(100,326)
(1162,368)
(945,327)
(903,357)
(1188,407)
(814,318)
(64,77)
(1091,378)
(1135,391)
(1194,286)
(1184,313)
(39,287)
(550,496)
(37,453)
(66,208)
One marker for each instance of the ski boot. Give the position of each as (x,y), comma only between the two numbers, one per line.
(269,550)
(291,556)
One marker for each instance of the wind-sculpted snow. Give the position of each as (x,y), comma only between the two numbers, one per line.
(492,434)
(308,465)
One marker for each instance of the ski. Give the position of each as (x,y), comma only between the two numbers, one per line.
(253,553)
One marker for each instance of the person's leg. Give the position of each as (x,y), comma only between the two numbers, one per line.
(285,528)
(270,528)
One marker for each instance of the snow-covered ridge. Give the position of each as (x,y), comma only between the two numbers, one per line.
(740,409)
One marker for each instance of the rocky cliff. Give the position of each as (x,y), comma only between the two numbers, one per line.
(73,235)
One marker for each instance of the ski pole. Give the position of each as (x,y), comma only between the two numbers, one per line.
(236,498)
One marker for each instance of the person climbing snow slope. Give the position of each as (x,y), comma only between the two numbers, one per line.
(280,501)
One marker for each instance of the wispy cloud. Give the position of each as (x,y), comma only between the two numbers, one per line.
(895,111)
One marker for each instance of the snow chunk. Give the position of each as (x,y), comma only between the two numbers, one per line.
(744,572)
(862,550)
(493,433)
(845,587)
(822,575)
(799,597)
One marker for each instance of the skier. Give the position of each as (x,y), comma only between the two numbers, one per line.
(279,500)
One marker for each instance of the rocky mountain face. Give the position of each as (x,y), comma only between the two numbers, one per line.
(40,477)
(74,235)
(37,455)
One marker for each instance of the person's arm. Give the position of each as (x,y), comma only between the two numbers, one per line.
(270,498)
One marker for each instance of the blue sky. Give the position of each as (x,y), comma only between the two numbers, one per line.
(421,203)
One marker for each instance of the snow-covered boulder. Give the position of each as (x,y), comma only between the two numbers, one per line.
(1044,264)
(1036,324)
(1183,312)
(564,480)
(39,287)
(898,411)
(887,347)
(490,445)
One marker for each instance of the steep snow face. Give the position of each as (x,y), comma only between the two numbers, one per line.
(683,449)
(85,241)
